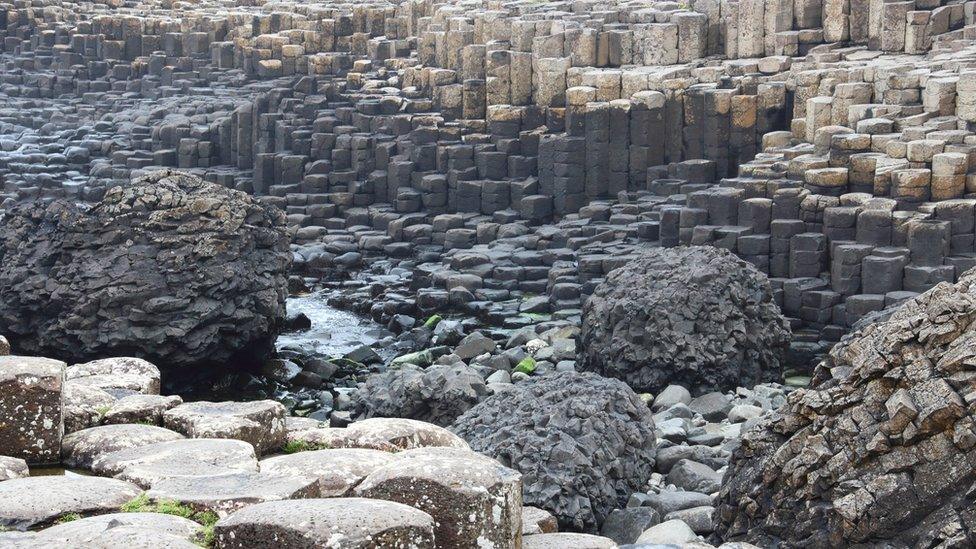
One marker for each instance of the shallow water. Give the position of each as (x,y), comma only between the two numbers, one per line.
(334,332)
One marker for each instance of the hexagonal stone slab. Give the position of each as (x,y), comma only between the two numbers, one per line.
(93,528)
(34,501)
(338,471)
(84,406)
(224,494)
(11,467)
(201,457)
(401,434)
(537,521)
(351,523)
(119,376)
(31,424)
(567,539)
(80,449)
(140,409)
(474,499)
(261,422)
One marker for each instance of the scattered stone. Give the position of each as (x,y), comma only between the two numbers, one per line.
(36,501)
(357,522)
(671,532)
(31,421)
(624,526)
(559,432)
(260,423)
(81,448)
(696,316)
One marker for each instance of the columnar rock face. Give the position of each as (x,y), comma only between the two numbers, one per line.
(583,443)
(880,450)
(31,415)
(171,268)
(699,317)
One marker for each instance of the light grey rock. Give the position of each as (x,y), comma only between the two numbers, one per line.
(567,539)
(118,376)
(11,467)
(260,423)
(140,409)
(36,501)
(671,395)
(146,465)
(226,493)
(673,532)
(474,344)
(89,529)
(694,477)
(81,448)
(338,470)
(699,519)
(84,406)
(537,521)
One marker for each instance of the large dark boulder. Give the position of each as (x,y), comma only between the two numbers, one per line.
(582,442)
(437,394)
(697,316)
(880,451)
(172,269)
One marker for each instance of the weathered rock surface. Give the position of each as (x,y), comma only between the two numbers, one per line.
(226,493)
(31,420)
(880,450)
(338,471)
(260,422)
(11,467)
(171,269)
(95,531)
(393,434)
(567,539)
(84,406)
(697,316)
(583,443)
(474,500)
(81,448)
(118,376)
(199,457)
(140,409)
(350,522)
(34,501)
(437,394)
(537,521)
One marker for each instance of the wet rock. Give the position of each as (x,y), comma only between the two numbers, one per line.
(437,394)
(626,525)
(179,272)
(473,345)
(567,539)
(877,450)
(696,316)
(91,531)
(81,448)
(472,499)
(671,532)
(35,501)
(146,465)
(84,406)
(140,409)
(226,493)
(261,423)
(119,376)
(31,421)
(560,432)
(357,522)
(11,467)
(537,521)
(338,471)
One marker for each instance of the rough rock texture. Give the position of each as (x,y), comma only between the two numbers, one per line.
(346,522)
(118,376)
(171,269)
(197,457)
(438,394)
(698,317)
(259,422)
(81,448)
(78,531)
(226,493)
(880,450)
(31,420)
(338,470)
(11,467)
(33,501)
(583,443)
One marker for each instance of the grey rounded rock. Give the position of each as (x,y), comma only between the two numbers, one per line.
(567,539)
(84,406)
(437,394)
(394,434)
(299,524)
(35,501)
(81,448)
(583,443)
(200,457)
(11,467)
(208,265)
(338,470)
(695,316)
(118,376)
(260,423)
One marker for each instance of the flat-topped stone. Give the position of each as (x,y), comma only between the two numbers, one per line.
(402,434)
(31,421)
(84,406)
(35,501)
(565,540)
(119,376)
(473,499)
(261,423)
(11,467)
(86,530)
(81,448)
(140,409)
(226,493)
(338,470)
(346,522)
(146,465)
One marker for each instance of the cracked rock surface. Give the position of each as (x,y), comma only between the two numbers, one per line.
(171,269)
(695,316)
(880,450)
(583,443)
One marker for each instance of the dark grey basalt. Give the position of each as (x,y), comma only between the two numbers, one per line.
(880,450)
(438,394)
(696,316)
(583,443)
(172,269)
